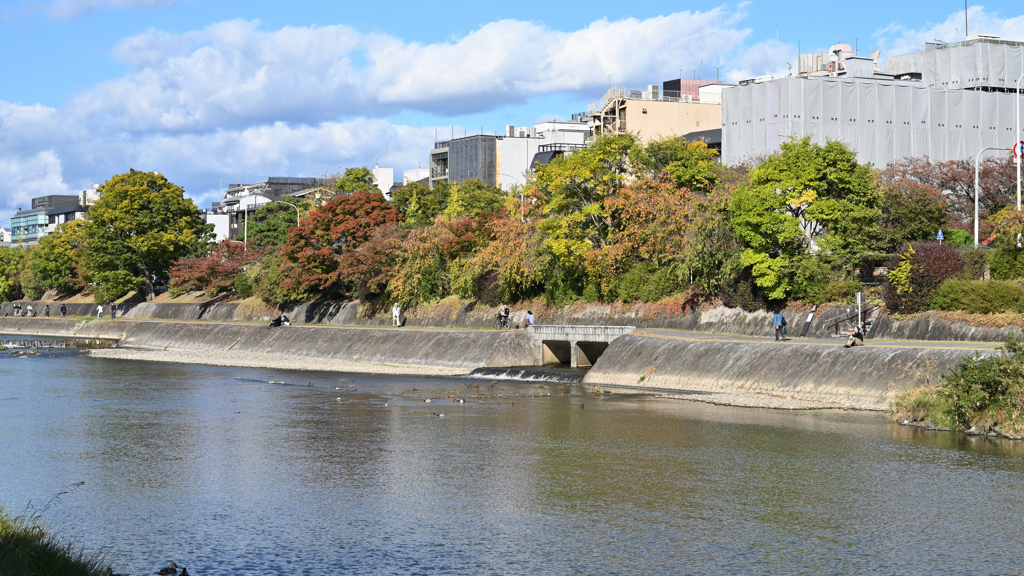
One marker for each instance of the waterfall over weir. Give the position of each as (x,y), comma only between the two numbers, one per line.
(9,343)
(530,374)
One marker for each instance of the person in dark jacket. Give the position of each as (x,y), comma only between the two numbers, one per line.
(856,338)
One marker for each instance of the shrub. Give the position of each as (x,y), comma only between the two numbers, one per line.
(1006,263)
(661,284)
(978,296)
(242,285)
(958,238)
(633,283)
(835,292)
(988,390)
(975,263)
(916,273)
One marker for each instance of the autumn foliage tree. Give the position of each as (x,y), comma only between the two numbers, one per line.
(214,272)
(318,256)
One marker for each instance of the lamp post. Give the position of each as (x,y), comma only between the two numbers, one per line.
(976,159)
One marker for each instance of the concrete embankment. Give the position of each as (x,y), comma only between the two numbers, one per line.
(460,351)
(859,377)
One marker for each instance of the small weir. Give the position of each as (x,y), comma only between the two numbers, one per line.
(19,343)
(530,374)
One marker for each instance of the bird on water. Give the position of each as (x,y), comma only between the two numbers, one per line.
(172,569)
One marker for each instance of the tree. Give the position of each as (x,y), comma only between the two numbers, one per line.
(807,196)
(270,224)
(317,253)
(214,272)
(420,204)
(55,260)
(909,212)
(916,273)
(13,261)
(690,165)
(356,180)
(472,197)
(141,223)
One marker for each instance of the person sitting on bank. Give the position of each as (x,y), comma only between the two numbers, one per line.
(275,323)
(529,320)
(856,338)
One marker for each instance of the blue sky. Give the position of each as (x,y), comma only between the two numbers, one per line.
(225,90)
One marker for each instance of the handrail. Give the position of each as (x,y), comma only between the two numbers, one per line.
(850,316)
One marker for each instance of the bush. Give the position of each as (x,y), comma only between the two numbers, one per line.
(242,285)
(663,283)
(633,283)
(1006,264)
(975,263)
(834,292)
(988,391)
(978,296)
(958,238)
(916,273)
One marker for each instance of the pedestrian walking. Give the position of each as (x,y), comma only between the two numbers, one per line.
(46,311)
(780,323)
(99,311)
(113,310)
(63,310)
(396,315)
(30,311)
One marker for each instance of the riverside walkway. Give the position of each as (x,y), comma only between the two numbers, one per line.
(870,342)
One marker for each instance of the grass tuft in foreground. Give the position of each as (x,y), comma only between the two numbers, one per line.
(28,550)
(980,395)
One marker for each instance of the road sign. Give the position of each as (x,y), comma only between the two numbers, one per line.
(939,236)
(1018,149)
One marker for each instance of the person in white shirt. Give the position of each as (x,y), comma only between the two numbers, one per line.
(529,321)
(396,315)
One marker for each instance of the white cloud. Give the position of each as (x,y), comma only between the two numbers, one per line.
(235,74)
(766,58)
(26,177)
(896,39)
(71,9)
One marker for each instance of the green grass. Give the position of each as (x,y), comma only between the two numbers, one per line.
(28,550)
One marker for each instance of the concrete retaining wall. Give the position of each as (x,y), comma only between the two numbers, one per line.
(858,377)
(459,349)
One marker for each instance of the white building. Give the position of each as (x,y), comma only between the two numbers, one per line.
(946,103)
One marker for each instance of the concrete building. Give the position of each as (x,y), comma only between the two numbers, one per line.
(47,212)
(421,175)
(656,113)
(5,237)
(506,161)
(946,103)
(384,180)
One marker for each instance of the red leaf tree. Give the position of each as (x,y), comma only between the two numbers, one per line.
(216,271)
(318,256)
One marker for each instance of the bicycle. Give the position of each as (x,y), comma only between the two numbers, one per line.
(502,322)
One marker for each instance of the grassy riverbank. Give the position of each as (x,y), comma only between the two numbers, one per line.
(27,550)
(980,396)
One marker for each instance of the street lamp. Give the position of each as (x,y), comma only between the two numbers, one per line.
(976,159)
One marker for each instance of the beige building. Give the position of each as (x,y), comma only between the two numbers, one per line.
(654,114)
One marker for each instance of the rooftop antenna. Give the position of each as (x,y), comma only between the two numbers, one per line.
(718,64)
(965,20)
(609,75)
(778,69)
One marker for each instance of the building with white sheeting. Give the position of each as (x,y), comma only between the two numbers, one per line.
(946,115)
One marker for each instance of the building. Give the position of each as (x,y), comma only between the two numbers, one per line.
(947,103)
(230,216)
(384,180)
(5,237)
(47,212)
(421,175)
(655,113)
(505,161)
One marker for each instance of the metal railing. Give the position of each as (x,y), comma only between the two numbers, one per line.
(623,93)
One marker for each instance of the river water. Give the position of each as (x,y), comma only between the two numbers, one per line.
(244,471)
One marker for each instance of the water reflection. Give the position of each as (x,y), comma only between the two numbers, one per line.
(233,471)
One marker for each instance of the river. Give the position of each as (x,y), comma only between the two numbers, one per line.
(244,471)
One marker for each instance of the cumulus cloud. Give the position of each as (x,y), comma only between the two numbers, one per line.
(71,9)
(896,39)
(235,74)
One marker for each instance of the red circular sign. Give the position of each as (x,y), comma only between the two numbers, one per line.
(1018,149)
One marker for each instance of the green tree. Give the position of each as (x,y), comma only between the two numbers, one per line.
(910,212)
(13,261)
(355,180)
(690,165)
(472,197)
(55,260)
(806,196)
(270,224)
(141,223)
(420,204)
